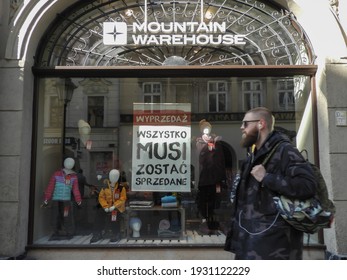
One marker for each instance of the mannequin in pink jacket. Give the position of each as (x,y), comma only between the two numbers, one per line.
(62,184)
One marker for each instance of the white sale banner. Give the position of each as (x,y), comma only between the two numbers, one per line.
(161,147)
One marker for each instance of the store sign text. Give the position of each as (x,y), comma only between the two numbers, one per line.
(161,147)
(174,33)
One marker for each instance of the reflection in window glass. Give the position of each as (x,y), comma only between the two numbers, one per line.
(217,91)
(212,100)
(96,111)
(55,116)
(152,92)
(252,94)
(285,91)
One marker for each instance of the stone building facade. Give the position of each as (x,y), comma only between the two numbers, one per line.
(30,34)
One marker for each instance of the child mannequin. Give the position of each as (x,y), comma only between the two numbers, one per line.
(60,186)
(112,202)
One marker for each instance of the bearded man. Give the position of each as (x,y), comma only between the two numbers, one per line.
(257,230)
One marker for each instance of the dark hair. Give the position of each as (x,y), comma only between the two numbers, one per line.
(266,114)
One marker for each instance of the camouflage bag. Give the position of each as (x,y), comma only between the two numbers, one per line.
(304,215)
(308,215)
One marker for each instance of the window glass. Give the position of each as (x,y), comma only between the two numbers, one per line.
(212,98)
(152,92)
(222,102)
(55,116)
(96,111)
(252,94)
(114,124)
(217,91)
(285,91)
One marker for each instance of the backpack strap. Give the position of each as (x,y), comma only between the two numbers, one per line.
(269,155)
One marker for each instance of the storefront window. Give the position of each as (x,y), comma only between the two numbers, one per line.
(145,112)
(164,165)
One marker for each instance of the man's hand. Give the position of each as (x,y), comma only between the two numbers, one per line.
(258,172)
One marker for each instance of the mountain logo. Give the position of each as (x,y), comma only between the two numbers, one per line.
(115,33)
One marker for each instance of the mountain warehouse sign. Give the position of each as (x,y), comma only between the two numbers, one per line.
(173,33)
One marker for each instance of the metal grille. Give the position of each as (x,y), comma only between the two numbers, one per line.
(272,35)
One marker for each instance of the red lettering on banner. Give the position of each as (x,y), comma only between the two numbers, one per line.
(162,118)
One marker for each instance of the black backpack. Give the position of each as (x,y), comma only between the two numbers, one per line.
(322,190)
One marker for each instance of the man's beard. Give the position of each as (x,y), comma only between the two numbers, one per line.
(249,139)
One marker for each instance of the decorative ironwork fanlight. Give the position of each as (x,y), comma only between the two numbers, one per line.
(271,35)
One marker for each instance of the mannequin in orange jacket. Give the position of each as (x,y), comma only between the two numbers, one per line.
(112,204)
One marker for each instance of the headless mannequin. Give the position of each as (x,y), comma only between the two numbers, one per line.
(135,225)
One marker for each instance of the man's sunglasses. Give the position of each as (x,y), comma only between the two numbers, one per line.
(245,123)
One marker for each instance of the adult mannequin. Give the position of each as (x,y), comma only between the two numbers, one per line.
(211,176)
(112,202)
(61,184)
(135,225)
